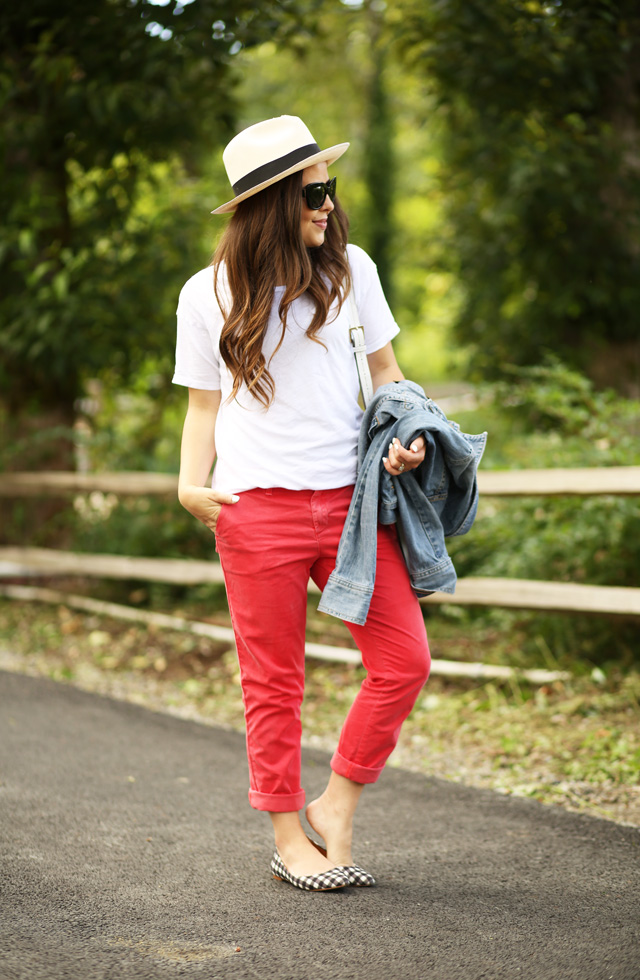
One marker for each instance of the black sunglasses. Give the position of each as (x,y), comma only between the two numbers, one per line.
(315,194)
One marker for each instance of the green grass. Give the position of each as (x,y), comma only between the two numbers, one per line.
(575,744)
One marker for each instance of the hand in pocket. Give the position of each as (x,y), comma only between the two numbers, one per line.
(205,504)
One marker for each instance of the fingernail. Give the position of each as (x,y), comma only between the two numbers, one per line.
(414,448)
(390,445)
(234,498)
(384,459)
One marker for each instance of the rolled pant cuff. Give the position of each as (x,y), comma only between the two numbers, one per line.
(277,802)
(357,774)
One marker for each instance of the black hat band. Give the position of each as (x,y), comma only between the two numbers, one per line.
(274,167)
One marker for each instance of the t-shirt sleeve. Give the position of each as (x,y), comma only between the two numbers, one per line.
(373,309)
(199,324)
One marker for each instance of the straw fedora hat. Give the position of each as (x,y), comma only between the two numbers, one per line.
(267,152)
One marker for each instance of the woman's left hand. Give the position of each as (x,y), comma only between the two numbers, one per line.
(401,460)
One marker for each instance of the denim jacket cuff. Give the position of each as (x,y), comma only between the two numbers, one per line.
(346,599)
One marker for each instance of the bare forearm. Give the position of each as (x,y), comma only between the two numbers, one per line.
(197,457)
(198,450)
(384,367)
(385,376)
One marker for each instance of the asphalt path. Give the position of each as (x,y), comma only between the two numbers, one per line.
(129,851)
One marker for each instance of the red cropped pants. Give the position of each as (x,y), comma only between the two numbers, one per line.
(270,543)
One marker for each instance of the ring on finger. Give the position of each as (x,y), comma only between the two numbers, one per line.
(401,467)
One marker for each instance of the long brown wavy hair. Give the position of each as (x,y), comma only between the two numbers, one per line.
(262,248)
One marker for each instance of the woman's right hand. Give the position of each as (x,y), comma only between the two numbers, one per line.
(205,504)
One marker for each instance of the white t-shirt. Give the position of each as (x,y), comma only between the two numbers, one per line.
(307,439)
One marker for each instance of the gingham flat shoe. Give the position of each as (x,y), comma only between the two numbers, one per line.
(325,882)
(357,876)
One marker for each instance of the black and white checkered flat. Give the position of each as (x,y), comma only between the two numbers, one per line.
(325,882)
(357,876)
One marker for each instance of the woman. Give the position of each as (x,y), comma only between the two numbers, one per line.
(263,346)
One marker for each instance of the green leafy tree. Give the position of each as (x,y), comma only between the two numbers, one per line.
(539,109)
(104,104)
(341,71)
(379,171)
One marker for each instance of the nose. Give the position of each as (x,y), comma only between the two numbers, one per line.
(328,205)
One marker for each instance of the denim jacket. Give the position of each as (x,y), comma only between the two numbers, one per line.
(436,500)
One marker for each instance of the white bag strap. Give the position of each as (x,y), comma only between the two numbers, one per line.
(356,333)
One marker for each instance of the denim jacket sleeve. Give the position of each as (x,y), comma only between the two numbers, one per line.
(437,500)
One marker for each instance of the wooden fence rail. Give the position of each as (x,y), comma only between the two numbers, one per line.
(617,480)
(224,635)
(508,593)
